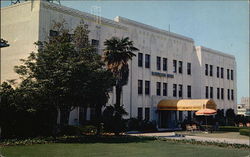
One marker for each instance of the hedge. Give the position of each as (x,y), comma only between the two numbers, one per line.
(231,128)
(245,132)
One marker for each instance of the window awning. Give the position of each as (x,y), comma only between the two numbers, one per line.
(186,104)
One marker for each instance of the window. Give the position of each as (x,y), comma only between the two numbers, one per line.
(180,90)
(180,116)
(218,72)
(165,64)
(165,89)
(139,113)
(140,59)
(222,72)
(175,66)
(139,86)
(95,43)
(232,94)
(147,87)
(189,68)
(206,69)
(211,70)
(147,61)
(218,93)
(174,90)
(189,91)
(206,92)
(228,74)
(147,113)
(158,88)
(211,92)
(232,75)
(180,67)
(222,93)
(158,62)
(228,94)
(53,33)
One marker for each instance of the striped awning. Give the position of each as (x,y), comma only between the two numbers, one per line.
(186,104)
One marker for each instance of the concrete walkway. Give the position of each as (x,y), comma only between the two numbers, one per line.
(172,135)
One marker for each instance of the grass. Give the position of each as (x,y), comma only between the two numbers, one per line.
(136,148)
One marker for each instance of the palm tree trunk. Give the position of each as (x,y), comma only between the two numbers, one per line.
(118,95)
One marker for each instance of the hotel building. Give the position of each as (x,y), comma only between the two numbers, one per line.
(168,66)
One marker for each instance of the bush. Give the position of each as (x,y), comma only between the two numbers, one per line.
(134,124)
(245,132)
(69,130)
(88,129)
(231,128)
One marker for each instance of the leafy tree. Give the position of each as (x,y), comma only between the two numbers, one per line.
(69,71)
(230,116)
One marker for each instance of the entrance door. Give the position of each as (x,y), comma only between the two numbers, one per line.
(165,119)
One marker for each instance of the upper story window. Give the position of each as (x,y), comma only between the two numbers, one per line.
(218,72)
(222,72)
(232,94)
(228,94)
(218,93)
(189,68)
(228,75)
(180,91)
(95,43)
(147,61)
(206,92)
(211,70)
(189,91)
(211,92)
(158,63)
(206,69)
(174,90)
(140,59)
(232,75)
(174,66)
(222,93)
(165,64)
(140,87)
(147,87)
(165,89)
(180,67)
(158,88)
(53,33)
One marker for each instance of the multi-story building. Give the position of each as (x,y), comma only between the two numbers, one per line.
(244,107)
(167,67)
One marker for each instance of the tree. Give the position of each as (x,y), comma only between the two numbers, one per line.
(117,54)
(69,71)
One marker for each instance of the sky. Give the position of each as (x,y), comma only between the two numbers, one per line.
(219,25)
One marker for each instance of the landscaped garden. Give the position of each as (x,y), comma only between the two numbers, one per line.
(120,146)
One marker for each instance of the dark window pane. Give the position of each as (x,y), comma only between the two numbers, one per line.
(165,89)
(158,88)
(228,74)
(189,91)
(211,92)
(232,75)
(180,90)
(206,92)
(175,66)
(218,93)
(139,113)
(140,59)
(222,72)
(222,93)
(206,69)
(174,90)
(165,64)
(218,72)
(140,87)
(211,70)
(180,67)
(147,61)
(189,68)
(158,62)
(232,94)
(147,87)
(147,114)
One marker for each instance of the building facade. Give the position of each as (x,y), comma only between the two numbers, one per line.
(244,107)
(168,65)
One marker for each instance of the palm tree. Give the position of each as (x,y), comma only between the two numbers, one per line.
(117,53)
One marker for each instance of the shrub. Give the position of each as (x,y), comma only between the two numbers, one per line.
(245,132)
(69,130)
(140,125)
(229,128)
(88,129)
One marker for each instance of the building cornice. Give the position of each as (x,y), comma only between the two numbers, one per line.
(74,12)
(151,28)
(215,52)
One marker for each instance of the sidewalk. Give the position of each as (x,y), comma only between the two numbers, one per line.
(172,135)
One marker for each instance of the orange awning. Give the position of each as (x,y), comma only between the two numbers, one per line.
(186,104)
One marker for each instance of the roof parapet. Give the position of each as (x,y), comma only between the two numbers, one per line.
(215,52)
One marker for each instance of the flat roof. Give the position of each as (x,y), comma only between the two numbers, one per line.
(215,52)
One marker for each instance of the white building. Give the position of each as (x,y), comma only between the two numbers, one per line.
(244,107)
(168,65)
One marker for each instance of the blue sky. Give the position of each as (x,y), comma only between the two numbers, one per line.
(220,25)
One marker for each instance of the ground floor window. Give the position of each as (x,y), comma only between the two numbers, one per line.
(180,116)
(139,113)
(147,113)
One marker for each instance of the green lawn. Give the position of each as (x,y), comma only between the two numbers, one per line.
(132,149)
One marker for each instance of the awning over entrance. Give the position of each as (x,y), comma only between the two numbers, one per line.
(186,104)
